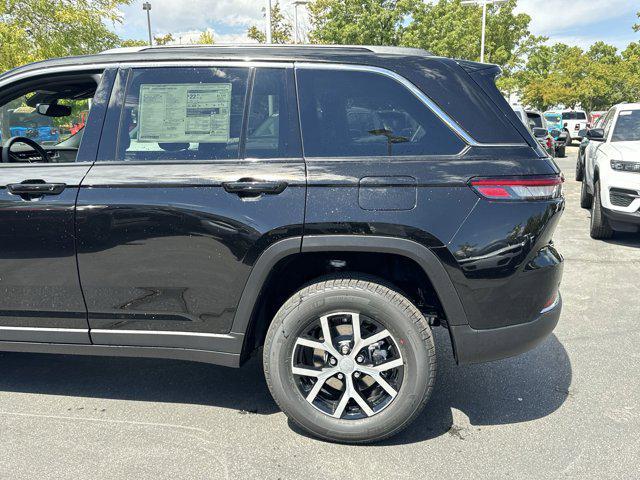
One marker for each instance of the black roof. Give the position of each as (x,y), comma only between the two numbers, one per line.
(318,53)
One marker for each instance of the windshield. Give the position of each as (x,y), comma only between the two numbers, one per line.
(553,118)
(627,127)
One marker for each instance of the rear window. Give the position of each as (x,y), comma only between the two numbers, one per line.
(574,116)
(354,113)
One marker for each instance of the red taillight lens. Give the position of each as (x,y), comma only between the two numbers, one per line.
(531,188)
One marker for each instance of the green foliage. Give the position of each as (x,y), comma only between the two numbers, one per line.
(358,22)
(163,39)
(134,43)
(206,38)
(281,28)
(451,29)
(595,79)
(38,29)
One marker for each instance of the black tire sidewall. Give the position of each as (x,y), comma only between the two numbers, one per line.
(418,369)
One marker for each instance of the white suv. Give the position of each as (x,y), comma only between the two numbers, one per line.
(574,121)
(611,181)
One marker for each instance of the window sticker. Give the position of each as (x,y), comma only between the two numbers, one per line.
(625,113)
(184,113)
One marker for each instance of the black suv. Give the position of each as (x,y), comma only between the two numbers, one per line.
(328,204)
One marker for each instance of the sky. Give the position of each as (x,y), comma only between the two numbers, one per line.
(576,22)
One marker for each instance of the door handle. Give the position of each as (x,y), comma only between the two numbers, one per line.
(250,187)
(35,188)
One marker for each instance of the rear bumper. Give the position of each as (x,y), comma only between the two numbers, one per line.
(478,346)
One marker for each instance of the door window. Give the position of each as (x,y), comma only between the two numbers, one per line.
(272,130)
(354,113)
(53,115)
(183,114)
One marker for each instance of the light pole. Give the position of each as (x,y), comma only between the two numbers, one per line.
(484,4)
(268,21)
(296,4)
(147,6)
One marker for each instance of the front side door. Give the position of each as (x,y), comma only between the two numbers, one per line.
(199,170)
(41,299)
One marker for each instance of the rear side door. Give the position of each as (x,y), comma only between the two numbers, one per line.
(199,170)
(40,295)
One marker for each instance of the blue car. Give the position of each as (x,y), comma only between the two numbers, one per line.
(25,122)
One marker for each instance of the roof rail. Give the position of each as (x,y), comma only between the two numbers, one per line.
(378,49)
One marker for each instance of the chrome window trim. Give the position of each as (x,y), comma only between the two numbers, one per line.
(142,64)
(419,94)
(441,114)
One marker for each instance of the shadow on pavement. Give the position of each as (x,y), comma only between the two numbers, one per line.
(520,389)
(625,239)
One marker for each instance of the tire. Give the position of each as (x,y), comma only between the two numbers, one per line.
(579,167)
(586,199)
(413,349)
(562,152)
(600,229)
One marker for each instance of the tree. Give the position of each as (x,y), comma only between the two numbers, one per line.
(206,38)
(636,27)
(358,22)
(281,28)
(38,29)
(134,43)
(165,39)
(450,29)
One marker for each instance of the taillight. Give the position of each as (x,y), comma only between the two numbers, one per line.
(529,188)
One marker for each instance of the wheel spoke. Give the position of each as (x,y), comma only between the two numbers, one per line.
(384,384)
(305,342)
(362,402)
(306,372)
(342,404)
(355,324)
(388,365)
(326,333)
(322,378)
(374,338)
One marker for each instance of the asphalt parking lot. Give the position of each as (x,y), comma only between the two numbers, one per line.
(568,409)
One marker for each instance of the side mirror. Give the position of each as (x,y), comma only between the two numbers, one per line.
(540,132)
(596,134)
(555,133)
(53,110)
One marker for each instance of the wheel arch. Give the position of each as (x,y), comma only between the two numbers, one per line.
(286,249)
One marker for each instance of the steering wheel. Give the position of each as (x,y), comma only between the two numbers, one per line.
(6,149)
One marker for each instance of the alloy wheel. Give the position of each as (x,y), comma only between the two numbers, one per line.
(347,366)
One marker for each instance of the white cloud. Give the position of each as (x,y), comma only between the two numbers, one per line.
(192,35)
(169,15)
(550,16)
